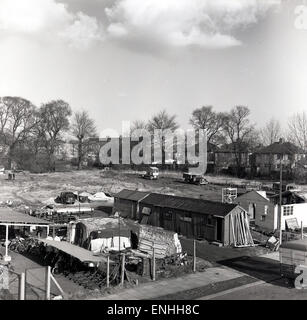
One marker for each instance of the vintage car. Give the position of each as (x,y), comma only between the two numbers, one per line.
(152,173)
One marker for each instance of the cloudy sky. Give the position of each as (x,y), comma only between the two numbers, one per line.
(127,59)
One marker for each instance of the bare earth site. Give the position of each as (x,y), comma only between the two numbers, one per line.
(153,153)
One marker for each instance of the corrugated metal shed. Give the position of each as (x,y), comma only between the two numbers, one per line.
(132,195)
(189,204)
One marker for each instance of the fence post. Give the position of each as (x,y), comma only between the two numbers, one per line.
(123,270)
(194,255)
(22,286)
(48,272)
(108,271)
(302,230)
(153,264)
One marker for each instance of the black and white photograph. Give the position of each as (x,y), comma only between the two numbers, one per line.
(153,150)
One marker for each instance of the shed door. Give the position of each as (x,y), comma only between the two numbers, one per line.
(219,229)
(252,211)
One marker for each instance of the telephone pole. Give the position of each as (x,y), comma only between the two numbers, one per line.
(280,201)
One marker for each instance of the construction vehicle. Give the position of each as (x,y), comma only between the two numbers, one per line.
(152,173)
(194,178)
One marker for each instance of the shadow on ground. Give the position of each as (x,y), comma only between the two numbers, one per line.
(245,260)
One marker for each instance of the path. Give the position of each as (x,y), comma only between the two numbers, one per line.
(172,286)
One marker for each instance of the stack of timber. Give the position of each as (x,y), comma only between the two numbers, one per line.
(240,230)
(166,243)
(147,246)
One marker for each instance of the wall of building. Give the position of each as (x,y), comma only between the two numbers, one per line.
(298,211)
(264,210)
(124,207)
(189,224)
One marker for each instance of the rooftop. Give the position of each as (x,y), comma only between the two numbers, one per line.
(189,204)
(281,147)
(133,195)
(7,215)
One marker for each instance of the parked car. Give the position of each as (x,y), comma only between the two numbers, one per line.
(66,198)
(152,173)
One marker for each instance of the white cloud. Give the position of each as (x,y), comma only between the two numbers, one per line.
(83,31)
(207,23)
(48,18)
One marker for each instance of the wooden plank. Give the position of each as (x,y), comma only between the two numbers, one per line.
(232,228)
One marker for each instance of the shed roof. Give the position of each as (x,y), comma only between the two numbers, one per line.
(80,253)
(251,193)
(132,195)
(7,215)
(189,204)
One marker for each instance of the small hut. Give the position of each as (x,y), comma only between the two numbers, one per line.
(91,233)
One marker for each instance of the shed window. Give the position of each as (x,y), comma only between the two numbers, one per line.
(288,210)
(266,210)
(262,218)
(146,211)
(168,215)
(186,217)
(209,221)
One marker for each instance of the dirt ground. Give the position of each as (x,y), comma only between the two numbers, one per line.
(31,189)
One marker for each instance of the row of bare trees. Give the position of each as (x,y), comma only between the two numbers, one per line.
(30,133)
(33,134)
(234,129)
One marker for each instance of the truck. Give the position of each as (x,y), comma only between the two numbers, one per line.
(194,178)
(285,187)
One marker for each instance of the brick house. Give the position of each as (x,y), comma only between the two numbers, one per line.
(266,161)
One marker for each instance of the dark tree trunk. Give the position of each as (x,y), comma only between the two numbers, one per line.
(79,154)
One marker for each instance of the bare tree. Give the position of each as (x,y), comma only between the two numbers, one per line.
(138,124)
(271,132)
(163,122)
(205,118)
(54,121)
(17,119)
(297,130)
(83,127)
(239,132)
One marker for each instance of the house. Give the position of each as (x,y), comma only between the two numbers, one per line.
(294,207)
(126,203)
(193,218)
(264,211)
(259,208)
(266,161)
